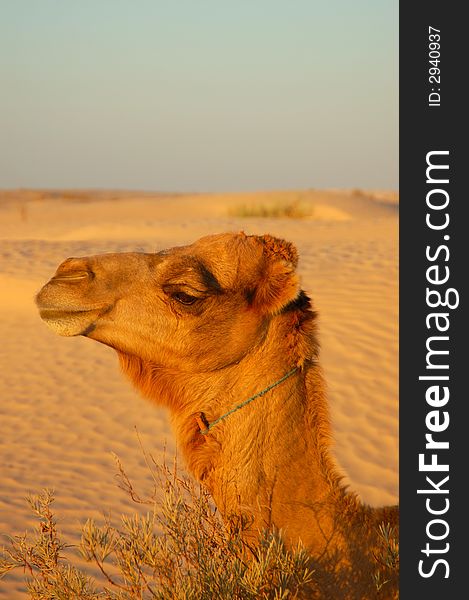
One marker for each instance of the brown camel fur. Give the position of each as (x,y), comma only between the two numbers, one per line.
(202,328)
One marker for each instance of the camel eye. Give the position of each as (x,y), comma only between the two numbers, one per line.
(184,298)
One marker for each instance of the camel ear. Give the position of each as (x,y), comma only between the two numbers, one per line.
(278,283)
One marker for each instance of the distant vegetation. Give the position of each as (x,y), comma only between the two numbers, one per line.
(289,209)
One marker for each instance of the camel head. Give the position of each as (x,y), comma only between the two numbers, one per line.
(199,307)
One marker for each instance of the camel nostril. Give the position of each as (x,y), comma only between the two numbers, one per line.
(73,270)
(72,276)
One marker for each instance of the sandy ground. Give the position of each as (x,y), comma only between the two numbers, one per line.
(64,406)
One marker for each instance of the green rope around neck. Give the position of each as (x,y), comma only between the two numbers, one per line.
(246,402)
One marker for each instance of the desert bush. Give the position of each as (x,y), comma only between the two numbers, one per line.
(178,549)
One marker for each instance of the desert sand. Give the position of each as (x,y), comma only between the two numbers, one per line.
(64,406)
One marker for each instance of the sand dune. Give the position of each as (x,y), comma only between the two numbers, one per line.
(64,406)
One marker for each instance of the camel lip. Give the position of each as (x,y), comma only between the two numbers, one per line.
(56,313)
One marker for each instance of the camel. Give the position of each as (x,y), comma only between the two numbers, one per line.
(221,333)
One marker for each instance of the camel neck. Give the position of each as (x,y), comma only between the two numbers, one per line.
(206,427)
(269,460)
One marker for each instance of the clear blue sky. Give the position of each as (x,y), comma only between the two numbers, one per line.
(200,95)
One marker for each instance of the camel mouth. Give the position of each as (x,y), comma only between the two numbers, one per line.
(52,314)
(69,322)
